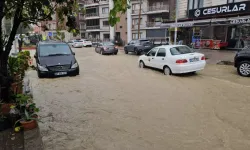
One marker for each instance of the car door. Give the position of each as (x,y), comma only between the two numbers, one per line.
(130,46)
(160,58)
(150,58)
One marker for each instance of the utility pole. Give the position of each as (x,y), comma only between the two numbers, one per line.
(139,20)
(176,19)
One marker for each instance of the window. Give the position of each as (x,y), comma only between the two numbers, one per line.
(52,49)
(135,21)
(194,4)
(135,6)
(230,1)
(180,50)
(152,52)
(135,36)
(161,52)
(105,23)
(105,10)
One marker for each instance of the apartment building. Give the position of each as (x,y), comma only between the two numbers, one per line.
(94,24)
(49,28)
(215,22)
(153,14)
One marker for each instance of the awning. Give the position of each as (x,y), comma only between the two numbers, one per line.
(209,22)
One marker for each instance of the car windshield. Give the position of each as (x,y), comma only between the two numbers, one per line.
(78,41)
(108,44)
(54,49)
(181,50)
(144,41)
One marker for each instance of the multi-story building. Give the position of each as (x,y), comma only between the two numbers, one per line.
(94,24)
(215,22)
(153,14)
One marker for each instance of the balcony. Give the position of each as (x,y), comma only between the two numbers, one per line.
(93,27)
(92,15)
(153,24)
(158,8)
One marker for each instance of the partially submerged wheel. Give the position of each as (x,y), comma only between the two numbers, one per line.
(141,64)
(244,68)
(167,71)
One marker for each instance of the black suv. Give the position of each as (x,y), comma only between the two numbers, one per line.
(138,46)
(242,62)
(55,59)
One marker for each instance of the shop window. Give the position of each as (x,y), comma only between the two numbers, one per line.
(194,4)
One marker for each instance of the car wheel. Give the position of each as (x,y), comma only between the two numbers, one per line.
(125,50)
(39,75)
(244,68)
(167,71)
(141,64)
(116,53)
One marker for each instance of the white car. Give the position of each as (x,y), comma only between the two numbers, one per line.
(173,59)
(77,44)
(71,42)
(86,43)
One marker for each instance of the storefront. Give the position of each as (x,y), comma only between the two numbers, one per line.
(217,27)
(228,26)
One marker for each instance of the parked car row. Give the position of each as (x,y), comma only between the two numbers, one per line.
(80,43)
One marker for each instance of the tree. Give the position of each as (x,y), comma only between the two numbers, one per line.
(120,7)
(28,12)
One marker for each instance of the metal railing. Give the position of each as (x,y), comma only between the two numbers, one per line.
(158,8)
(92,15)
(92,27)
(153,24)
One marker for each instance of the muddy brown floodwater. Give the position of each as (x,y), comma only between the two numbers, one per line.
(114,105)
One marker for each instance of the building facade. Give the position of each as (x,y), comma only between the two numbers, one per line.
(94,24)
(215,22)
(153,14)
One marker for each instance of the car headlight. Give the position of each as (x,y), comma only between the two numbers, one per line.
(42,68)
(74,66)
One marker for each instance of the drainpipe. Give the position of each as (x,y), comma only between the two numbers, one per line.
(176,19)
(129,24)
(112,29)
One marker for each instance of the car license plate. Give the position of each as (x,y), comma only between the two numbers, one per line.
(60,73)
(194,59)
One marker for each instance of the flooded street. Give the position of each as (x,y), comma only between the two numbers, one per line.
(114,105)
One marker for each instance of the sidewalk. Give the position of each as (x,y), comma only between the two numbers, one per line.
(213,56)
(11,141)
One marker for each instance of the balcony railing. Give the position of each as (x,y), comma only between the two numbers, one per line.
(92,15)
(153,24)
(158,8)
(93,27)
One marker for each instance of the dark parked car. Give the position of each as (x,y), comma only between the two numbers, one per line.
(55,59)
(138,46)
(106,48)
(242,62)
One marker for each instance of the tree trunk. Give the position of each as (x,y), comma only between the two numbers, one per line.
(6,80)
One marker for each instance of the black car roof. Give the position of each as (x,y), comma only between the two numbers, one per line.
(51,42)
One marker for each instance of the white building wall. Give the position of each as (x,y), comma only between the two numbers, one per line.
(182,9)
(207,3)
(219,2)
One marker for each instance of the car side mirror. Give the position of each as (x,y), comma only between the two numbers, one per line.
(73,53)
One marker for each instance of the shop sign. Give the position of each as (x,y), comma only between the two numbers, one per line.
(182,25)
(240,21)
(232,8)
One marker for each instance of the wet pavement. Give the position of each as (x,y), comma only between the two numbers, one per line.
(114,105)
(10,140)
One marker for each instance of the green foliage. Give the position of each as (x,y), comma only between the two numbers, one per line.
(18,65)
(120,6)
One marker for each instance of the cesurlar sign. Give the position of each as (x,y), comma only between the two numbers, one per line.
(220,10)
